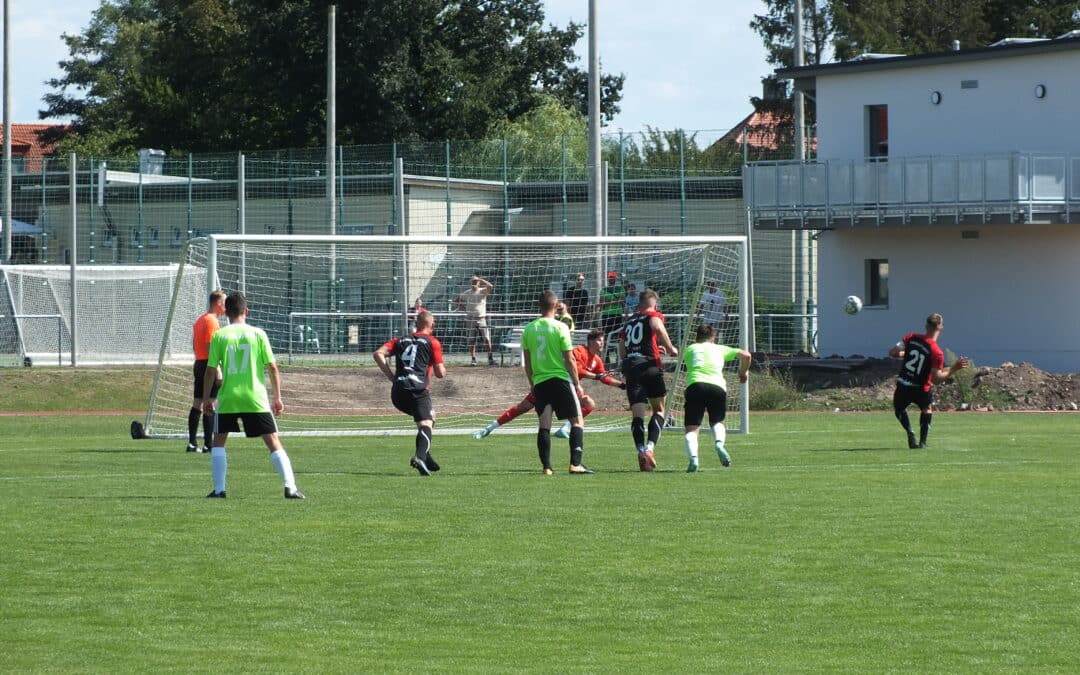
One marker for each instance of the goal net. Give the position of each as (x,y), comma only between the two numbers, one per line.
(120,315)
(327,302)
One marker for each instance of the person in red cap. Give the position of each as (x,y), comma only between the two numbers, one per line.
(611,306)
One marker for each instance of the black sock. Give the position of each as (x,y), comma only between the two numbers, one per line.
(904,420)
(577,438)
(637,428)
(543,446)
(656,424)
(193,425)
(208,430)
(423,443)
(924,426)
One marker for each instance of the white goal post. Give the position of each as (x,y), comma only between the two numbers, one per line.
(326,302)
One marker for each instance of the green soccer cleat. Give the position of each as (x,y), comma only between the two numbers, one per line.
(725,458)
(563,431)
(483,433)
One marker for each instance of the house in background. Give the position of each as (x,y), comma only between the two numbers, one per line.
(27,148)
(944,183)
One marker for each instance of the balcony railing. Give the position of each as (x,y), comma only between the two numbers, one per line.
(830,193)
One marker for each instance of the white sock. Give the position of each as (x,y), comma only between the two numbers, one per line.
(691,445)
(650,446)
(218,465)
(492,427)
(280,460)
(719,431)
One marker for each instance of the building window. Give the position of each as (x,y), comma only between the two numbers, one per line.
(877,282)
(877,119)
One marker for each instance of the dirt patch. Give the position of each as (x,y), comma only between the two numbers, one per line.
(859,383)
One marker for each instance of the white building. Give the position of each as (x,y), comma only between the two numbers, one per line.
(944,183)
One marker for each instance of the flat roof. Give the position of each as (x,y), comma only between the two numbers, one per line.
(1066,42)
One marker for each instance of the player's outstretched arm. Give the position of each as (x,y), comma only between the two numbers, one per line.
(897,351)
(745,358)
(277,406)
(661,332)
(943,374)
(380,359)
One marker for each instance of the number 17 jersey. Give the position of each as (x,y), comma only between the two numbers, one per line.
(242,351)
(922,357)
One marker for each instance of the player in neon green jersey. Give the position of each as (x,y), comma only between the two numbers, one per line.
(243,352)
(552,373)
(706,390)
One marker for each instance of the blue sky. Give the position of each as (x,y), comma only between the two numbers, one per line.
(690,64)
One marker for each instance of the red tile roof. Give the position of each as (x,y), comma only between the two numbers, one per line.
(26,143)
(764,131)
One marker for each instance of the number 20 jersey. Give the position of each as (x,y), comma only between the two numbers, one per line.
(922,357)
(416,355)
(639,339)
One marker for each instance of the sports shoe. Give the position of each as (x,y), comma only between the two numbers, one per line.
(549,472)
(580,469)
(192,448)
(473,363)
(725,458)
(923,445)
(216,495)
(692,467)
(563,431)
(420,467)
(205,450)
(911,442)
(483,433)
(294,494)
(432,465)
(646,460)
(491,360)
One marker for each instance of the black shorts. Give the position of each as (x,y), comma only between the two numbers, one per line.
(702,397)
(905,396)
(199,371)
(644,380)
(560,395)
(255,424)
(410,402)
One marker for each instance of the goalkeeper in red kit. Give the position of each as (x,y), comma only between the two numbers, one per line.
(590,364)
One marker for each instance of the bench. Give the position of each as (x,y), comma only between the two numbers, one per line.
(511,343)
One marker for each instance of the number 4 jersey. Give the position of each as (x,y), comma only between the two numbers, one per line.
(242,351)
(416,355)
(922,357)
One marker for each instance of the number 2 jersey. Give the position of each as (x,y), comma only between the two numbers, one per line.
(416,355)
(922,357)
(639,339)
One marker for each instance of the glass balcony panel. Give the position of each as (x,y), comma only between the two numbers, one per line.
(943,188)
(789,176)
(840,180)
(891,177)
(1022,167)
(865,178)
(917,181)
(1074,174)
(1048,178)
(971,172)
(999,180)
(814,184)
(764,182)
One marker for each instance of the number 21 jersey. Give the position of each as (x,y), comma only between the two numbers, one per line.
(922,357)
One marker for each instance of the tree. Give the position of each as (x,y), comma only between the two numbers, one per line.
(198,75)
(776,28)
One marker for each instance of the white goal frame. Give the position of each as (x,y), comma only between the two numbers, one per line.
(600,242)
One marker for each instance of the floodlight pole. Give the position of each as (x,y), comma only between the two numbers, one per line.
(596,187)
(7,224)
(802,242)
(331,143)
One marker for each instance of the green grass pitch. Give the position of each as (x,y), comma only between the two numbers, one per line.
(828,546)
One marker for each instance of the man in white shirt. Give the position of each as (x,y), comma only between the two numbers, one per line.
(712,306)
(474,302)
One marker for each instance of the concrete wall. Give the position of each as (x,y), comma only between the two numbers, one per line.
(1001,115)
(1008,295)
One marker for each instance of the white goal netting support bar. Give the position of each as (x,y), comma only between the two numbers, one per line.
(327,302)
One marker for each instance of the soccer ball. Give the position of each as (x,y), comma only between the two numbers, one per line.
(852,305)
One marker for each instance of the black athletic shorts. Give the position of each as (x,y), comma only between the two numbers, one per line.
(255,424)
(560,395)
(644,380)
(702,397)
(905,396)
(410,402)
(199,371)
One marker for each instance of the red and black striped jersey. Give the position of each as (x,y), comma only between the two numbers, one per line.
(922,357)
(639,338)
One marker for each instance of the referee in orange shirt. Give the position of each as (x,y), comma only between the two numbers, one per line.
(201,333)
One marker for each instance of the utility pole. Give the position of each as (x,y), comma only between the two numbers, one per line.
(8,224)
(802,241)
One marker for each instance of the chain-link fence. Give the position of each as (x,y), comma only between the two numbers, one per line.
(142,210)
